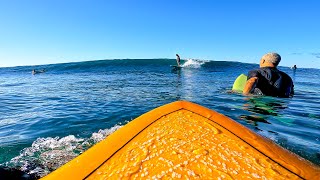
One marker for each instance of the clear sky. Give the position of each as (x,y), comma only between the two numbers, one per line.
(54,31)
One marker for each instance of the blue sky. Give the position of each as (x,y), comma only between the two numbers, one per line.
(54,31)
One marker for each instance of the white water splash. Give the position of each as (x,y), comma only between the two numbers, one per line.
(47,154)
(193,63)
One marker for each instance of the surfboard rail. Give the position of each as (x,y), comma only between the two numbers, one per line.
(85,164)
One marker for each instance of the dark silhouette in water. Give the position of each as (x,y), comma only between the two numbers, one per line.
(12,174)
(38,71)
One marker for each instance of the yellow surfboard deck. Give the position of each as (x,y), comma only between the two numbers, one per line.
(239,83)
(185,140)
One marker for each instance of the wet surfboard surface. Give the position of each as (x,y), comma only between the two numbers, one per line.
(185,140)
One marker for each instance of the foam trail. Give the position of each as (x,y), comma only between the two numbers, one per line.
(193,63)
(47,154)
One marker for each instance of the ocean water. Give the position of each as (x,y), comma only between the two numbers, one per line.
(49,118)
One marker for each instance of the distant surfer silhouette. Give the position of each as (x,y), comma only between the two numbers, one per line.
(178,59)
(294,67)
(37,71)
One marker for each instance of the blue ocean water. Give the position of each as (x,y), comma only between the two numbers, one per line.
(48,118)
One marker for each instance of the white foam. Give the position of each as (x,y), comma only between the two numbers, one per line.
(193,63)
(47,154)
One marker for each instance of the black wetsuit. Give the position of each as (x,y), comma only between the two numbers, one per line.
(272,82)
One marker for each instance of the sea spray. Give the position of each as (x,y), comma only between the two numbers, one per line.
(47,154)
(193,63)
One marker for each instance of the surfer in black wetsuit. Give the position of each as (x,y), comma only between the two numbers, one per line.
(294,67)
(268,80)
(178,59)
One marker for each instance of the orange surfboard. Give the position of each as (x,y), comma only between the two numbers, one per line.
(185,140)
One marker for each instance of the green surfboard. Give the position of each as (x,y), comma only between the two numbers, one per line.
(239,83)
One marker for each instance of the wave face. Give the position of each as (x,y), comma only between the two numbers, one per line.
(100,65)
(51,117)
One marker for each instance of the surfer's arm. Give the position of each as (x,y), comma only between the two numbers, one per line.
(250,84)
